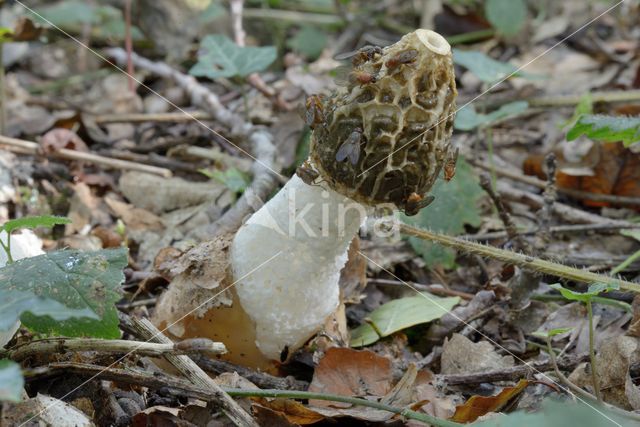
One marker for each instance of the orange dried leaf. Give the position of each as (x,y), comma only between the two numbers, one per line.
(294,412)
(478,406)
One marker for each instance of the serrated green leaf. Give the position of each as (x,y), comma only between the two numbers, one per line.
(607,128)
(83,282)
(68,12)
(11,381)
(33,222)
(506,16)
(455,205)
(468,119)
(220,57)
(400,314)
(309,41)
(485,68)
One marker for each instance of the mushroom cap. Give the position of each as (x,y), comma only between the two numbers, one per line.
(386,136)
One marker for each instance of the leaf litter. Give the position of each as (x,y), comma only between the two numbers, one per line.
(61,98)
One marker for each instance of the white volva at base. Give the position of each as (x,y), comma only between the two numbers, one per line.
(290,297)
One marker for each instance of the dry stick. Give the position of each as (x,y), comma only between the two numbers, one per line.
(579,228)
(509,225)
(509,374)
(570,100)
(264,180)
(523,261)
(64,345)
(144,329)
(22,146)
(578,194)
(3,96)
(568,213)
(434,289)
(179,387)
(154,117)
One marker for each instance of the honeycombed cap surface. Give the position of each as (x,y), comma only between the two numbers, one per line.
(406,119)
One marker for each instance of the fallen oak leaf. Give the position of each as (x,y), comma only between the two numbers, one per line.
(478,406)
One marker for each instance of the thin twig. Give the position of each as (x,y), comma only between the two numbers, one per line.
(434,289)
(510,227)
(152,117)
(592,353)
(523,261)
(577,228)
(577,194)
(23,146)
(144,329)
(509,374)
(65,345)
(3,96)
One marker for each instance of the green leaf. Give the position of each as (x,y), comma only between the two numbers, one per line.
(551,333)
(584,106)
(485,68)
(634,233)
(68,12)
(607,128)
(506,16)
(11,381)
(212,12)
(234,179)
(33,222)
(87,284)
(6,34)
(309,41)
(220,57)
(468,119)
(400,314)
(554,413)
(454,206)
(594,289)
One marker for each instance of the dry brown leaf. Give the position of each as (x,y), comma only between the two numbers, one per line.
(462,356)
(353,276)
(295,413)
(478,406)
(350,372)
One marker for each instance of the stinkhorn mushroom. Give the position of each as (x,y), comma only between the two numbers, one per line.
(380,140)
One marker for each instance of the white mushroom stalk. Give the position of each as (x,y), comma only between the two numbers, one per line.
(382,139)
(309,228)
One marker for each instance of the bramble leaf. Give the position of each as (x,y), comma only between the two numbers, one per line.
(69,293)
(220,57)
(607,128)
(400,314)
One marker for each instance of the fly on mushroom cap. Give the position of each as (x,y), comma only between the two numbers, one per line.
(404,119)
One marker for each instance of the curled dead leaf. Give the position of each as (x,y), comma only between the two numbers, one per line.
(478,406)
